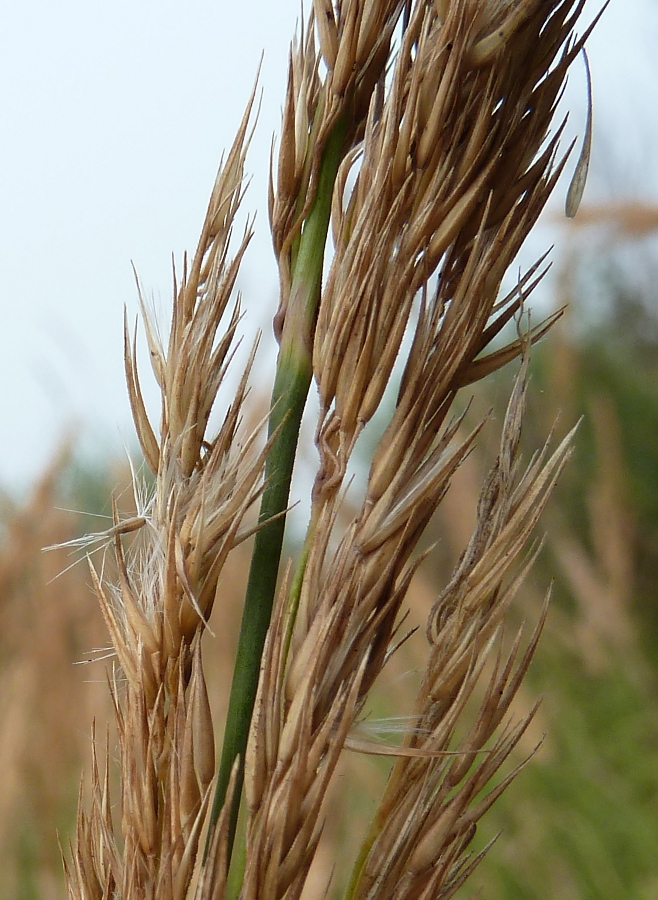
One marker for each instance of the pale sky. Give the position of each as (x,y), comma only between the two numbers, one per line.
(113,117)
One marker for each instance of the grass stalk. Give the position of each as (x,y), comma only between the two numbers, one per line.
(292,381)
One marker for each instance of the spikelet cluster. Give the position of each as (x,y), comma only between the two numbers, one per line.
(168,582)
(441,114)
(448,173)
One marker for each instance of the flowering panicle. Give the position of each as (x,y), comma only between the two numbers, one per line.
(421,132)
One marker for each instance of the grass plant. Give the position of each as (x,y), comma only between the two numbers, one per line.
(422,134)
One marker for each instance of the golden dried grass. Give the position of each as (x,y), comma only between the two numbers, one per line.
(48,622)
(453,157)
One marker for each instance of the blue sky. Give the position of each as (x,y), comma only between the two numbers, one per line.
(113,117)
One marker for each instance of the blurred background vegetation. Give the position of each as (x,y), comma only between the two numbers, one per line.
(581,821)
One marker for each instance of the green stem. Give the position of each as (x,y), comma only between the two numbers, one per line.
(292,381)
(376,825)
(360,862)
(294,594)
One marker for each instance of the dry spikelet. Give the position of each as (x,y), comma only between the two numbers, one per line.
(455,164)
(354,45)
(427,818)
(167,585)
